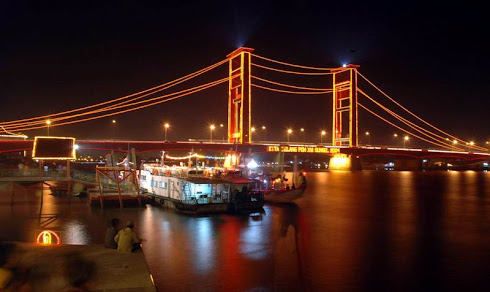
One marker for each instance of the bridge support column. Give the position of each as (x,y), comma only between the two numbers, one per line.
(344,162)
(345,120)
(240,96)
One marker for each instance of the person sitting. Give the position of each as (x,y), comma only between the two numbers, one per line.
(110,233)
(126,239)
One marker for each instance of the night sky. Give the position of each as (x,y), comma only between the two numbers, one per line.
(61,55)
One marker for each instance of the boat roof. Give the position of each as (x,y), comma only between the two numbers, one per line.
(238,180)
(205,180)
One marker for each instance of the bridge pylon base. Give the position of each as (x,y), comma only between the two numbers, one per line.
(344,162)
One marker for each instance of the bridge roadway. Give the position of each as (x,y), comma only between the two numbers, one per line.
(259,147)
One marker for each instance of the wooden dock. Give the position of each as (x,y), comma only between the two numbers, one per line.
(114,271)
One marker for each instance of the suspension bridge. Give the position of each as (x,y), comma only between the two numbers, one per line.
(349,91)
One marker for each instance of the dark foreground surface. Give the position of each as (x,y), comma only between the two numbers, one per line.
(353,231)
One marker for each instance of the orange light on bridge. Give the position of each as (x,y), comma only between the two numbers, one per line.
(46,237)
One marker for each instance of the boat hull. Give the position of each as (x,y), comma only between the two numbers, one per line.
(190,208)
(283,196)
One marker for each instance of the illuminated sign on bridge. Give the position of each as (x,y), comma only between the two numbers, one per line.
(303,149)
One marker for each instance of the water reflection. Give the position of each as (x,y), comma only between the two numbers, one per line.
(351,231)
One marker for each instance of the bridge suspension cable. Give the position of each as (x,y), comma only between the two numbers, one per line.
(155,89)
(291,92)
(292,65)
(412,125)
(406,131)
(155,101)
(121,105)
(293,72)
(291,86)
(419,118)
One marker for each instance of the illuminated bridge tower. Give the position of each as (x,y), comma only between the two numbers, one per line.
(345,128)
(239,96)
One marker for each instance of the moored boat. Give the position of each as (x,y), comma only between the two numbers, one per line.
(283,196)
(192,190)
(280,192)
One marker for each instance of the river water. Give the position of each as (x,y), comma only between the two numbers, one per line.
(352,231)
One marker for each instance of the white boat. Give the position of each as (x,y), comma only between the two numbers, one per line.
(199,190)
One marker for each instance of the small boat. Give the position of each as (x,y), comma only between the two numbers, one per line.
(284,196)
(281,193)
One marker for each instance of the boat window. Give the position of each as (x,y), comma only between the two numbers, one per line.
(153,183)
(163,185)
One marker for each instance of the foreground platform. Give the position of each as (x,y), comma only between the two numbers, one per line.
(114,271)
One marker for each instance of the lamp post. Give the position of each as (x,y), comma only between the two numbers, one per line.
(469,145)
(223,134)
(114,130)
(289,133)
(304,134)
(252,131)
(265,132)
(211,128)
(166,126)
(322,133)
(48,123)
(405,140)
(395,136)
(368,135)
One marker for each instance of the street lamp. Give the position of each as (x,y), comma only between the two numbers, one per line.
(322,133)
(265,132)
(289,133)
(304,134)
(252,130)
(114,130)
(369,137)
(405,140)
(223,134)
(455,142)
(211,128)
(48,123)
(395,136)
(470,144)
(166,126)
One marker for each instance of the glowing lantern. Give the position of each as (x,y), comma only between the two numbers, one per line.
(45,237)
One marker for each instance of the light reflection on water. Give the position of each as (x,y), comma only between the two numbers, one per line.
(351,231)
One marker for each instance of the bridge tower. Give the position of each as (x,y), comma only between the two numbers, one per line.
(240,96)
(345,130)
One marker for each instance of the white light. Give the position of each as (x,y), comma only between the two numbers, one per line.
(344,65)
(76,146)
(252,164)
(265,181)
